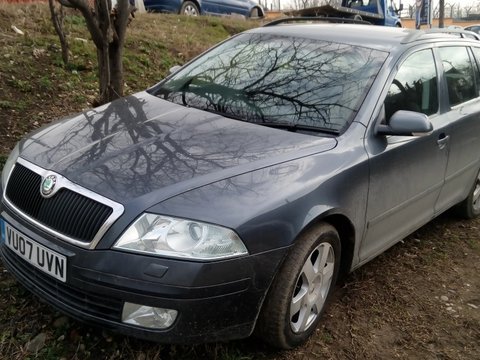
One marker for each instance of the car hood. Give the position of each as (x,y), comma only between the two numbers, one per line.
(143,146)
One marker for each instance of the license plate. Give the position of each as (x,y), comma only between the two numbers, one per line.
(34,253)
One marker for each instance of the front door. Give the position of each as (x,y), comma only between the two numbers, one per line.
(406,172)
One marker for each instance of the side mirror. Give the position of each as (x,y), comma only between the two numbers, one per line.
(406,123)
(174,69)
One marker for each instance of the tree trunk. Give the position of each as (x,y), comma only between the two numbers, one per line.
(113,28)
(108,27)
(441,17)
(116,70)
(57,20)
(103,75)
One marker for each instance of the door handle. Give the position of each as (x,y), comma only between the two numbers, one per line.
(443,140)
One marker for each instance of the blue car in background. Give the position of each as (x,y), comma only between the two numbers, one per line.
(247,8)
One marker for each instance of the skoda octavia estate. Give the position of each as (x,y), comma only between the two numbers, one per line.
(229,197)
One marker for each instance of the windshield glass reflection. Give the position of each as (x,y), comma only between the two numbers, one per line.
(278,81)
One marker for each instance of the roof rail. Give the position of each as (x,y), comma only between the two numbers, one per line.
(317,18)
(417,35)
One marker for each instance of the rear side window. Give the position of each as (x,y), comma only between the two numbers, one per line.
(476,53)
(459,74)
(415,86)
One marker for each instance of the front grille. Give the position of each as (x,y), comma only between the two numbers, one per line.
(67,212)
(59,293)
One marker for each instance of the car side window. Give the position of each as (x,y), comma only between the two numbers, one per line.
(459,73)
(415,86)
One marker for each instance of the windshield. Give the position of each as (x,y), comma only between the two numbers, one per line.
(278,81)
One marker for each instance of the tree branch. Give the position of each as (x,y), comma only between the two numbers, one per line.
(90,19)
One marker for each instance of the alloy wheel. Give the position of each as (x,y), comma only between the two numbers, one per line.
(312,287)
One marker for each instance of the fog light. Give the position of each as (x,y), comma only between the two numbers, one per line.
(148,316)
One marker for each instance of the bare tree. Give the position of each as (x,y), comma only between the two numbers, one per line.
(468,9)
(304,4)
(446,7)
(107,27)
(411,11)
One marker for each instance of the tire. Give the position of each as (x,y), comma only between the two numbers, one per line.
(299,292)
(189,8)
(254,13)
(470,207)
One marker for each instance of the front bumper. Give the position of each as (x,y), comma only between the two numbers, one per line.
(215,300)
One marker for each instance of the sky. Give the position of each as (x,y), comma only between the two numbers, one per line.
(285,4)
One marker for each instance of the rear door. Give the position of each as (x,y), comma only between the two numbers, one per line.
(460,76)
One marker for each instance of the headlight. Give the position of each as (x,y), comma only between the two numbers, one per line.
(7,168)
(180,238)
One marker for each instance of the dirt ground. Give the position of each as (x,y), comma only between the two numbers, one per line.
(419,300)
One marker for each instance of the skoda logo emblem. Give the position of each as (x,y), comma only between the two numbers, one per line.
(48,185)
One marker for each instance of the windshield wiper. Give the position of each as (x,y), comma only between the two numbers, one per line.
(227,115)
(296,127)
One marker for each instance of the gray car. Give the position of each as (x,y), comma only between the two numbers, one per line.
(230,197)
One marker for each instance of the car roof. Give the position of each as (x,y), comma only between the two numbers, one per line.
(372,36)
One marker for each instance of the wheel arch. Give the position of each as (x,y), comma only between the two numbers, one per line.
(261,12)
(258,9)
(197,4)
(346,232)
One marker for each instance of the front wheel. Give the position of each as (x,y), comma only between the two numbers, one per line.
(301,289)
(189,8)
(470,207)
